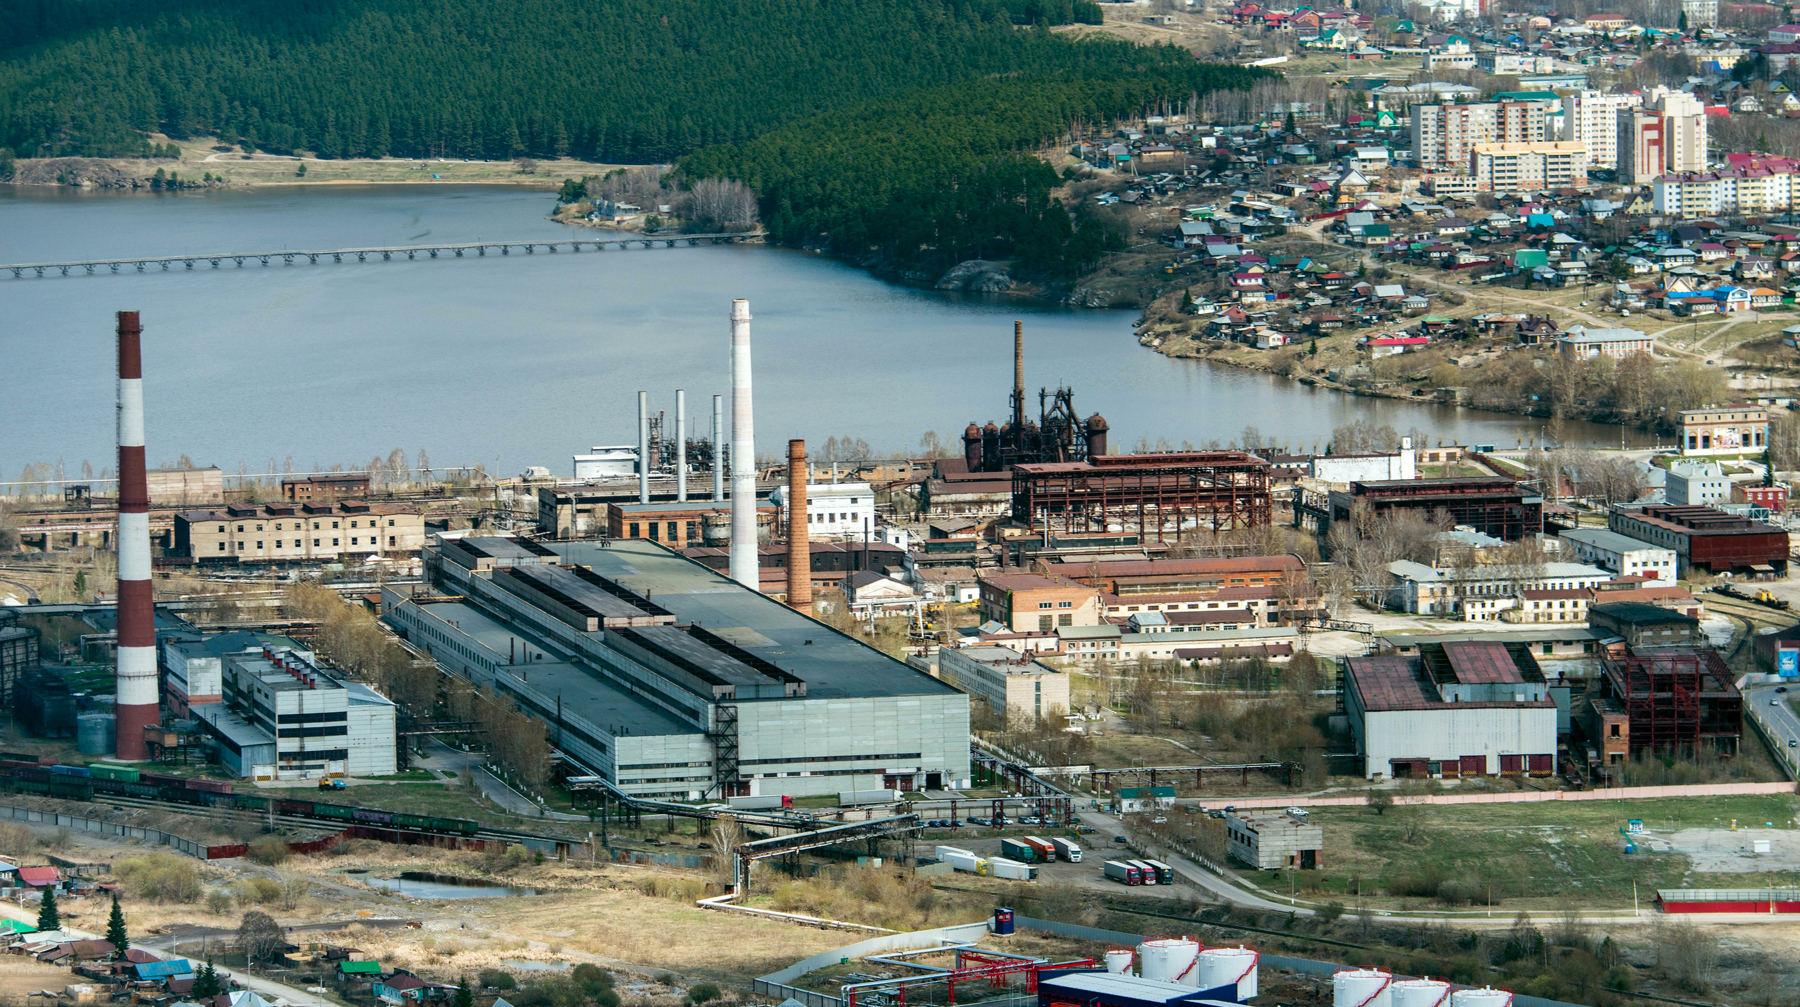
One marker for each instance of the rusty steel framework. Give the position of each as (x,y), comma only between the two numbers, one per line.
(1161,494)
(1676,698)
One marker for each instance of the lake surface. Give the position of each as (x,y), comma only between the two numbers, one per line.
(421,885)
(526,360)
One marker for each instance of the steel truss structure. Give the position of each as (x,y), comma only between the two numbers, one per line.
(1165,495)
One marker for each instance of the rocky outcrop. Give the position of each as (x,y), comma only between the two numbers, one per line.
(977,275)
(86,172)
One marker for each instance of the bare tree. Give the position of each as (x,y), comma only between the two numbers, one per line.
(721,204)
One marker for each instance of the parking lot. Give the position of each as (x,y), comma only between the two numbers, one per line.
(1096,849)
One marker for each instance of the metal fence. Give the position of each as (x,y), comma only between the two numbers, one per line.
(155,837)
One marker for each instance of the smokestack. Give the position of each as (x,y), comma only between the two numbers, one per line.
(1018,375)
(799,572)
(718,447)
(137,694)
(743,453)
(643,465)
(681,445)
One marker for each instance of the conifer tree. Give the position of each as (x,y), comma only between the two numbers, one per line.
(48,918)
(115,928)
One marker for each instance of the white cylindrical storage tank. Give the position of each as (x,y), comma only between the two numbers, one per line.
(1487,996)
(1171,960)
(1420,993)
(1361,988)
(1224,966)
(1118,961)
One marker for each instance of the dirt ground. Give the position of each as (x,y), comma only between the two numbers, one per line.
(1727,851)
(22,976)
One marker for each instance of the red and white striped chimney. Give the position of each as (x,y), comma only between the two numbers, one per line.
(137,694)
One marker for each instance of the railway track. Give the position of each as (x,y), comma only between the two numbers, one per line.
(301,821)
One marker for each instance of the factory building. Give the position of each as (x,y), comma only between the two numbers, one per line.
(1456,708)
(1020,690)
(193,664)
(1167,497)
(321,532)
(1707,538)
(284,716)
(835,511)
(670,680)
(1499,507)
(18,657)
(1624,556)
(1271,840)
(1027,602)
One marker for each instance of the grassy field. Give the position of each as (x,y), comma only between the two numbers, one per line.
(1533,856)
(202,155)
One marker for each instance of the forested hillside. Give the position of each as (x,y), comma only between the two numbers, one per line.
(608,80)
(937,175)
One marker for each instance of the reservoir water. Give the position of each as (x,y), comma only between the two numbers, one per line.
(525,360)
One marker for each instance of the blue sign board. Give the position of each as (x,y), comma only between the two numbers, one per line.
(1788,663)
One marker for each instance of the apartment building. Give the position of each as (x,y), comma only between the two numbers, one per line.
(1747,190)
(1444,135)
(1667,135)
(1523,167)
(299,533)
(1592,118)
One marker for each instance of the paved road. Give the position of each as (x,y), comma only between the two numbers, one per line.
(1190,872)
(1782,723)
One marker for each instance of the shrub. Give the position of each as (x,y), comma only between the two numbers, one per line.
(700,993)
(268,850)
(161,877)
(1621,977)
(1330,911)
(256,891)
(497,979)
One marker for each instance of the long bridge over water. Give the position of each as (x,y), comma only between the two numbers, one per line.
(167,263)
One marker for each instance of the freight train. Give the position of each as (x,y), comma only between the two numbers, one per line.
(81,783)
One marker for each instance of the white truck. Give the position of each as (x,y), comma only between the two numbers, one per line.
(1012,869)
(963,860)
(1067,850)
(852,798)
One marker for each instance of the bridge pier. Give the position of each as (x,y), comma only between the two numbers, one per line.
(385,256)
(89,265)
(215,263)
(189,263)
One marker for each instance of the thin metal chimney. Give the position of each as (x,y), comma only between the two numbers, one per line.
(799,565)
(1018,402)
(643,459)
(681,445)
(718,449)
(743,453)
(136,704)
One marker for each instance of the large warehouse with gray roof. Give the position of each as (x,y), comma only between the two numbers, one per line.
(672,681)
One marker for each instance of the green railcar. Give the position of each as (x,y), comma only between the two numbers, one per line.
(123,774)
(251,802)
(72,791)
(333,811)
(414,821)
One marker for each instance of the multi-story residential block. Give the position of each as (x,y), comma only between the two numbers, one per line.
(1639,145)
(1667,134)
(1758,188)
(1703,13)
(1518,167)
(1444,135)
(1583,343)
(299,533)
(1592,118)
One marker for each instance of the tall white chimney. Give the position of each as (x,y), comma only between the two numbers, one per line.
(743,453)
(681,445)
(643,461)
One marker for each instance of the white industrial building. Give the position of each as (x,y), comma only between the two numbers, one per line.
(312,722)
(602,462)
(1401,464)
(1696,482)
(835,511)
(1621,554)
(1456,708)
(669,680)
(1479,593)
(1014,686)
(193,663)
